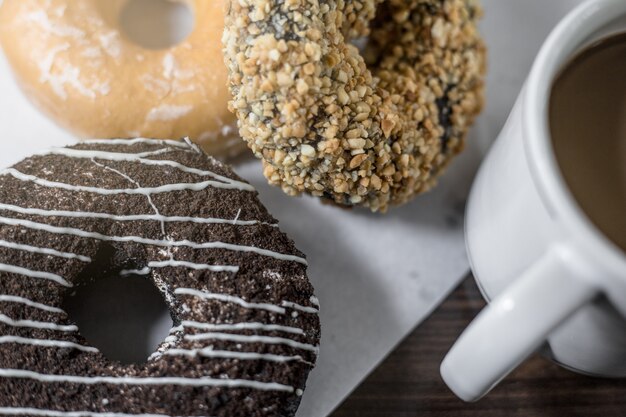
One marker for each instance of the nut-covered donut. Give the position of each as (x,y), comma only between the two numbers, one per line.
(246,324)
(372,129)
(74,61)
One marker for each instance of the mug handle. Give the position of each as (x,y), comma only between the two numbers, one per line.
(517,322)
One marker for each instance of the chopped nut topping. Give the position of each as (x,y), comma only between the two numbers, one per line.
(373,130)
(307,150)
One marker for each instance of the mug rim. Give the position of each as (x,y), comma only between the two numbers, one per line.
(568,36)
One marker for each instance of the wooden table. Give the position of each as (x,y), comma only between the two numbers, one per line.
(407,383)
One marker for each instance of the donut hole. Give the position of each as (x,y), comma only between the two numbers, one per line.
(156,24)
(125,317)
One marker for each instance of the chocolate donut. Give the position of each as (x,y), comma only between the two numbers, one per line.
(374,129)
(246,328)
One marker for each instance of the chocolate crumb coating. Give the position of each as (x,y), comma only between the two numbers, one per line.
(373,129)
(246,329)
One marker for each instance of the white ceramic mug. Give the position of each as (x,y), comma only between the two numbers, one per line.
(550,274)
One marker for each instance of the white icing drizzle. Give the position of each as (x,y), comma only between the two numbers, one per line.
(194,147)
(15,411)
(46,343)
(127,218)
(130,142)
(229,299)
(110,156)
(34,274)
(314,300)
(299,307)
(227,354)
(168,188)
(173,263)
(141,158)
(57,151)
(37,324)
(165,243)
(239,326)
(237,216)
(142,271)
(191,265)
(121,380)
(44,251)
(21,300)
(240,338)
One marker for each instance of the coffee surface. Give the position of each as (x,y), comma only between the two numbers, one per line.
(588,128)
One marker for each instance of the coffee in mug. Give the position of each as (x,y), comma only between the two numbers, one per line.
(588,129)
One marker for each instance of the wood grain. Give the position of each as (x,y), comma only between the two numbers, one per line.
(407,383)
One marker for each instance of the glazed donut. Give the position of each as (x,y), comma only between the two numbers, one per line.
(73,61)
(373,129)
(246,324)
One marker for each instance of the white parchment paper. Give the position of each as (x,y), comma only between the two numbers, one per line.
(377,277)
